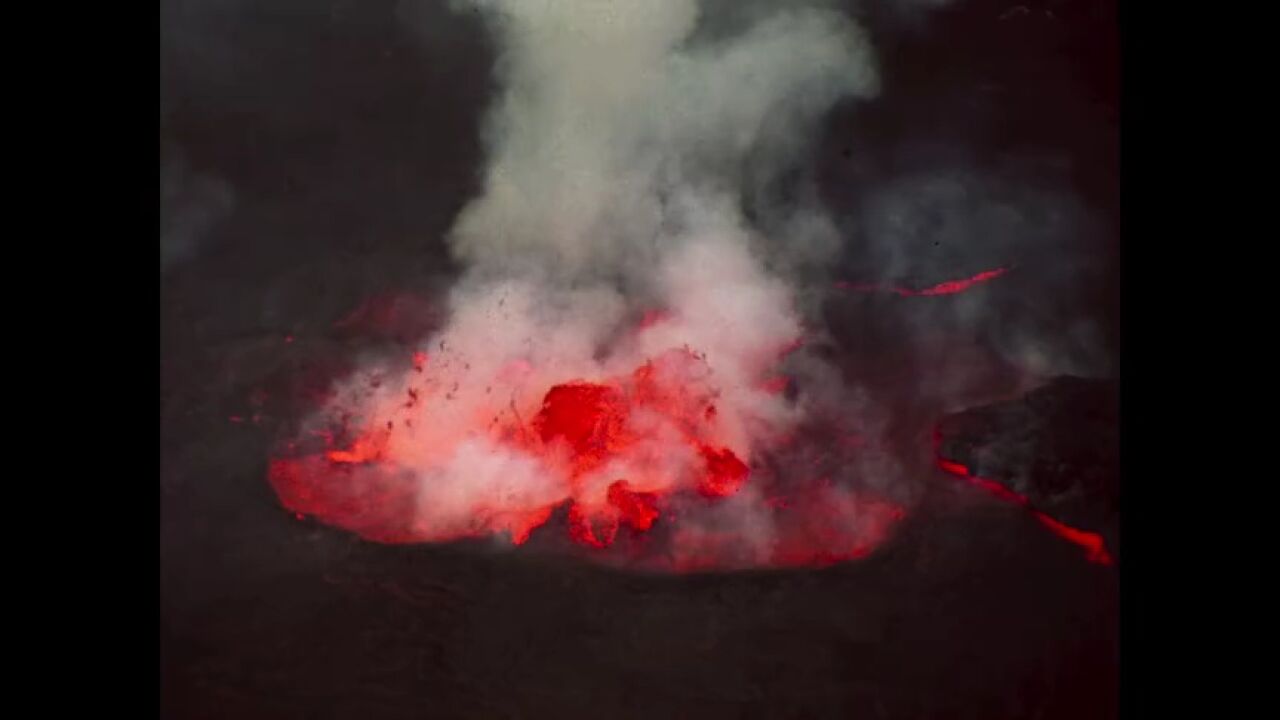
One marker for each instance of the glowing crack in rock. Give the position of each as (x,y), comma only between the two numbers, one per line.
(950,287)
(1092,543)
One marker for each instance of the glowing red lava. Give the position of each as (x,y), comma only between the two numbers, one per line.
(647,451)
(1092,543)
(950,287)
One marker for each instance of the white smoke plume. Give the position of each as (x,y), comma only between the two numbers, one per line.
(613,135)
(620,150)
(620,147)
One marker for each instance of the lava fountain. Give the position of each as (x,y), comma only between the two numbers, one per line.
(660,444)
(624,355)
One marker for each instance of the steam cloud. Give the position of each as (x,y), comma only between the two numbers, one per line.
(616,141)
(630,235)
(621,148)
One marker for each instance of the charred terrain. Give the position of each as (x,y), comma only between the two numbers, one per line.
(313,156)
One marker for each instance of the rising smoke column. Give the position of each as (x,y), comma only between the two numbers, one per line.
(614,344)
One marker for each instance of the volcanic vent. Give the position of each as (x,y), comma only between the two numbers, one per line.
(626,357)
(624,354)
(654,463)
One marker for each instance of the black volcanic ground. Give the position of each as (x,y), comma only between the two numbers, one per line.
(347,143)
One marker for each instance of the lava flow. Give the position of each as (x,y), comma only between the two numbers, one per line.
(1092,543)
(644,452)
(950,287)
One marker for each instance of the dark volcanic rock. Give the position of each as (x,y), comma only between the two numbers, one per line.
(348,136)
(1057,446)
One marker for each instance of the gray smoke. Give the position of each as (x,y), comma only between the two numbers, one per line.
(614,135)
(954,220)
(621,146)
(634,153)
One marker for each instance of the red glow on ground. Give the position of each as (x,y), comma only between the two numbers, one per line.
(950,287)
(1092,543)
(644,454)
(821,524)
(580,431)
(364,449)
